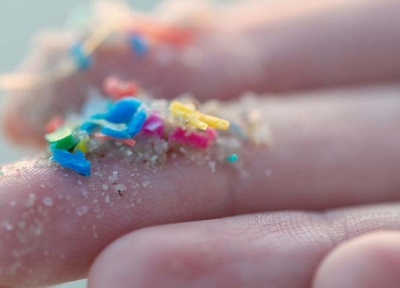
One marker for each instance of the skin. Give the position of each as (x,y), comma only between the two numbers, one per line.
(310,214)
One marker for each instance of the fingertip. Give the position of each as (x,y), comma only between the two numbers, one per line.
(127,262)
(163,256)
(371,260)
(17,129)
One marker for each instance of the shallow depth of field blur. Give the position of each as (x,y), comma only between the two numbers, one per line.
(18,22)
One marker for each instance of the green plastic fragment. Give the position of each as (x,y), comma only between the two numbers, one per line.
(62,138)
(232,158)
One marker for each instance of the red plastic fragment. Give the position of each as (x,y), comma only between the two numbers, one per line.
(129,142)
(117,89)
(197,139)
(53,124)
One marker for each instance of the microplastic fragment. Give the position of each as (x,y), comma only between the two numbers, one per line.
(75,161)
(82,60)
(62,138)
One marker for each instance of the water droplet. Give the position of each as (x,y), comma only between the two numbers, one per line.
(105,187)
(107,199)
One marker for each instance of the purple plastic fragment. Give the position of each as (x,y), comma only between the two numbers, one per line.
(154,125)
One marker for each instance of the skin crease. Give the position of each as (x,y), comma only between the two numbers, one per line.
(338,148)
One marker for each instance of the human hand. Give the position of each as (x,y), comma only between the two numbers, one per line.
(330,149)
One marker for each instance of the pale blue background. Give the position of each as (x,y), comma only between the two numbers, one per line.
(19,19)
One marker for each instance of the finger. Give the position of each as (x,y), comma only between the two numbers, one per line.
(368,261)
(289,50)
(325,43)
(328,151)
(281,249)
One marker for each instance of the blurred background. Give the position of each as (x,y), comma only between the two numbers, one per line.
(19,20)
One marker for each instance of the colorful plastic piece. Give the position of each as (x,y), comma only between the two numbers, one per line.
(75,161)
(115,132)
(129,142)
(53,124)
(238,131)
(82,59)
(196,139)
(196,118)
(139,44)
(154,125)
(123,110)
(211,133)
(118,89)
(82,145)
(232,158)
(136,123)
(62,138)
(89,126)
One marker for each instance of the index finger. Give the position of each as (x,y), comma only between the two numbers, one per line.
(328,151)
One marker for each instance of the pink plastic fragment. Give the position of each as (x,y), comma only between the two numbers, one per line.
(199,140)
(211,133)
(154,126)
(129,142)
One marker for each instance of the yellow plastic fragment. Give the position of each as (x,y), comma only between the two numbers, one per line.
(82,146)
(215,122)
(196,118)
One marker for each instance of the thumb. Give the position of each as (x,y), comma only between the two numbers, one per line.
(369,261)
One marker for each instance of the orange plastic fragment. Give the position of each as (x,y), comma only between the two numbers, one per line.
(53,124)
(101,136)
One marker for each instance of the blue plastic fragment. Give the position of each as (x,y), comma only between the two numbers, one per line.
(53,147)
(235,128)
(115,133)
(232,158)
(89,127)
(83,60)
(123,110)
(75,161)
(136,123)
(139,44)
